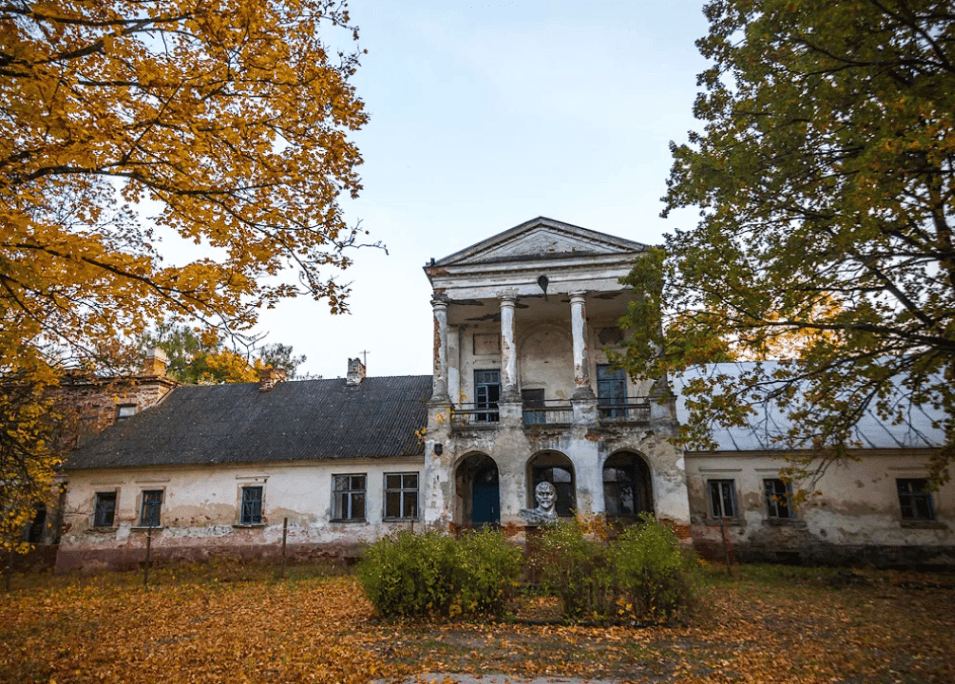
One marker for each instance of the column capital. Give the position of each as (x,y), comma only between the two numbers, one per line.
(440,300)
(578,296)
(508,299)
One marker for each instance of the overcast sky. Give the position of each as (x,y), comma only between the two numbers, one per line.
(485,115)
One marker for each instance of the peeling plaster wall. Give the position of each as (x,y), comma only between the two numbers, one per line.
(856,518)
(201,508)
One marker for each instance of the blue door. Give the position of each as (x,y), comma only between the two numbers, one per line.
(486,498)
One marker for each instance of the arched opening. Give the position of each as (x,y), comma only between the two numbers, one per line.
(479,491)
(553,467)
(627,489)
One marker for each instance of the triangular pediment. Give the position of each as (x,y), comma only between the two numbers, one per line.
(541,238)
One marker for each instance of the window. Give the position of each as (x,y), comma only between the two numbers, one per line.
(401,496)
(722,499)
(533,399)
(104,512)
(611,391)
(349,497)
(778,499)
(626,486)
(150,516)
(125,411)
(487,391)
(251,506)
(915,499)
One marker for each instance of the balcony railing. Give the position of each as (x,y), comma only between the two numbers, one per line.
(474,415)
(626,410)
(549,412)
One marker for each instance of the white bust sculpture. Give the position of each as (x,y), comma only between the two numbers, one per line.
(545,494)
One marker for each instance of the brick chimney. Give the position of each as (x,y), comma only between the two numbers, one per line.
(269,378)
(155,363)
(356,372)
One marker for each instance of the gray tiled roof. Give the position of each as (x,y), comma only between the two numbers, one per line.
(296,421)
(920,430)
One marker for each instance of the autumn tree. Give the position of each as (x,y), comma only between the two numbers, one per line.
(230,118)
(825,179)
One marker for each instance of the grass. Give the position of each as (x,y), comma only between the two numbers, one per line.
(236,622)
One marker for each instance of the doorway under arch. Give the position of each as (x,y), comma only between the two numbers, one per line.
(479,489)
(627,488)
(553,467)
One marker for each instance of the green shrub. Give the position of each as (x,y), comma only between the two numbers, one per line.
(653,575)
(432,573)
(642,574)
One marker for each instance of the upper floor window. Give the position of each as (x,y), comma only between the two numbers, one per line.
(915,499)
(487,392)
(251,506)
(779,499)
(125,411)
(611,391)
(151,512)
(533,399)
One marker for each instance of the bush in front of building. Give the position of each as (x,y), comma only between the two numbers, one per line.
(643,574)
(408,574)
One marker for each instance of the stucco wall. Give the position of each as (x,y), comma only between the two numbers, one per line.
(855,518)
(201,509)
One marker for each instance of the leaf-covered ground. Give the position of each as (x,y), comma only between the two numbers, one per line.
(235,624)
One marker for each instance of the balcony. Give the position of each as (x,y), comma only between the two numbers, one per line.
(471,415)
(623,410)
(548,412)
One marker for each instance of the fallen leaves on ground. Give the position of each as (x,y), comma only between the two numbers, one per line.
(765,625)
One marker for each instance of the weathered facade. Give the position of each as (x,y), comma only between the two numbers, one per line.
(522,392)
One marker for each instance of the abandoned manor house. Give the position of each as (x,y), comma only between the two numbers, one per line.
(521,393)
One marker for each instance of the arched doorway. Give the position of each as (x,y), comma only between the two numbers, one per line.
(479,491)
(553,467)
(627,488)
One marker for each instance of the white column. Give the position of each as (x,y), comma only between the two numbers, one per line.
(439,388)
(508,353)
(578,321)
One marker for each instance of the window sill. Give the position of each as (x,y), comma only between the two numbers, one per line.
(248,526)
(348,520)
(101,529)
(400,520)
(145,527)
(924,525)
(729,522)
(784,522)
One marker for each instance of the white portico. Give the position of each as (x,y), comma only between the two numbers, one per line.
(523,391)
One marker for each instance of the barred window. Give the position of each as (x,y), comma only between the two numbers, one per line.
(251,506)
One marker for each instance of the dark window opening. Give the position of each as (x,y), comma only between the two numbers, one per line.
(722,499)
(401,496)
(487,392)
(251,506)
(151,512)
(626,483)
(104,513)
(915,499)
(533,399)
(349,497)
(779,499)
(611,391)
